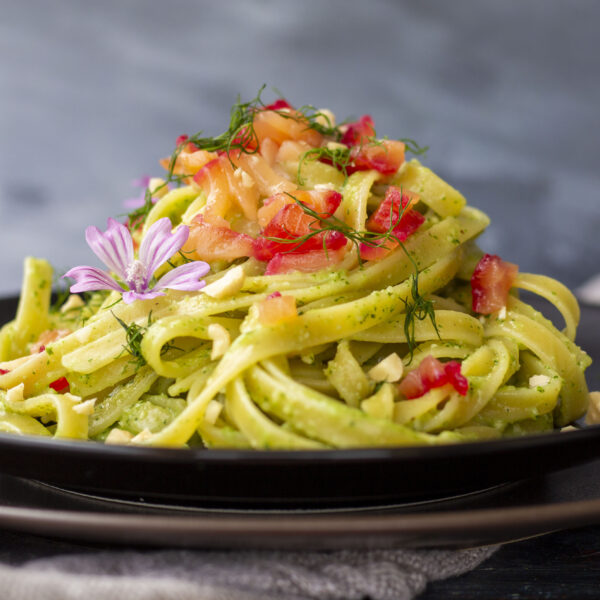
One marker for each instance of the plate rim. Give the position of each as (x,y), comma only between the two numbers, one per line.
(90,448)
(460,528)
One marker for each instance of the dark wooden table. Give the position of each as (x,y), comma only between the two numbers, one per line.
(560,566)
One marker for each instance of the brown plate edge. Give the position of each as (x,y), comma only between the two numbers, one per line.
(456,529)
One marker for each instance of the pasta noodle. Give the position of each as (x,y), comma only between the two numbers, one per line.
(347,305)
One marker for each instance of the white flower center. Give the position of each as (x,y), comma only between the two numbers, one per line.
(136,276)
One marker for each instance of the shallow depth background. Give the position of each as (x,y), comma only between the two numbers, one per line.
(506,94)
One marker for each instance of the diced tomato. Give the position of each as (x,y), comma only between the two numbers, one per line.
(277,308)
(388,214)
(292,126)
(213,242)
(224,190)
(491,282)
(324,202)
(456,378)
(360,132)
(278,105)
(384,156)
(60,385)
(378,252)
(188,163)
(412,385)
(307,262)
(430,374)
(4,371)
(291,223)
(214,179)
(182,139)
(267,180)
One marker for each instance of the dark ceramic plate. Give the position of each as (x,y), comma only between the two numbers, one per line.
(230,478)
(535,506)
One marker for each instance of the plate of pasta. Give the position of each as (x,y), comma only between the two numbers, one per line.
(298,297)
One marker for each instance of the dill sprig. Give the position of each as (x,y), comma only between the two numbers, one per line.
(239,135)
(315,119)
(418,308)
(134,334)
(413,147)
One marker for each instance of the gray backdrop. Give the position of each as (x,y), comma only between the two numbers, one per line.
(506,94)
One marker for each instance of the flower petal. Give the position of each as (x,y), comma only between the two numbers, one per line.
(114,247)
(129,297)
(184,277)
(159,244)
(132,203)
(91,278)
(142,182)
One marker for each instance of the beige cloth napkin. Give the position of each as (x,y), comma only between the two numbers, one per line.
(202,575)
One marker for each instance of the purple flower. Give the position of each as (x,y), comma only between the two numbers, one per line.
(142,182)
(114,248)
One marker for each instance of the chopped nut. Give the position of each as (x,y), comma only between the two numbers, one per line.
(325,117)
(389,369)
(336,146)
(72,397)
(220,338)
(593,413)
(141,437)
(502,313)
(154,184)
(85,408)
(118,436)
(325,186)
(228,285)
(538,380)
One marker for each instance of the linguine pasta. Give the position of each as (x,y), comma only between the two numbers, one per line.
(341,310)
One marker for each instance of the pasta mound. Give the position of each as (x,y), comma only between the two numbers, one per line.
(348,305)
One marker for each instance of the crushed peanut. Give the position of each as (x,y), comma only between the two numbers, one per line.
(538,380)
(118,436)
(389,369)
(228,285)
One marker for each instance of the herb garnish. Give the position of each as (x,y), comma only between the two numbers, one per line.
(134,334)
(413,147)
